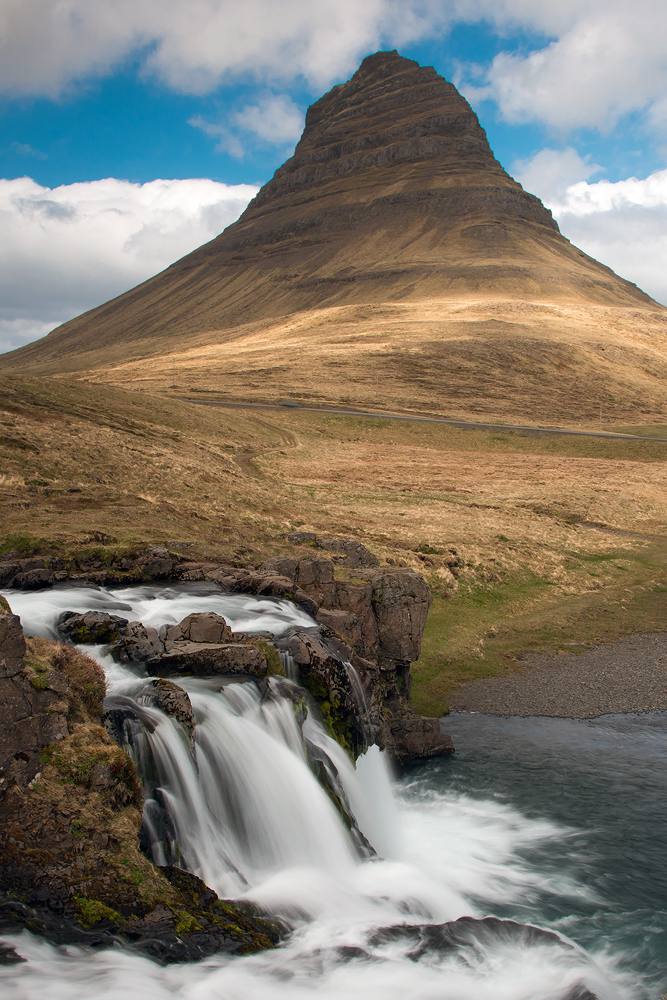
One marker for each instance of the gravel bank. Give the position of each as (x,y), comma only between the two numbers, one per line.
(628,676)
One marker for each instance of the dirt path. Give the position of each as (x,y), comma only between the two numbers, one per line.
(245,459)
(627,676)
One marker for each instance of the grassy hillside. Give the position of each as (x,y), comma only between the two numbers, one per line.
(527,541)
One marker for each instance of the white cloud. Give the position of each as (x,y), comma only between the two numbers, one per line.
(553,171)
(601,58)
(606,58)
(67,249)
(193,45)
(621,224)
(275,120)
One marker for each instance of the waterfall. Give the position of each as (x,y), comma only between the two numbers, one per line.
(263,804)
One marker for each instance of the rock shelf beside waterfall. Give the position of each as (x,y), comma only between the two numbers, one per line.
(70,811)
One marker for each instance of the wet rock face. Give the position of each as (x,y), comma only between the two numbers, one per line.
(347,693)
(91,627)
(174,701)
(27,710)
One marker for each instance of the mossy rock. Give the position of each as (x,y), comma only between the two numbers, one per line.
(84,676)
(272,657)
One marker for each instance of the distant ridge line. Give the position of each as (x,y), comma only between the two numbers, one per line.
(471,424)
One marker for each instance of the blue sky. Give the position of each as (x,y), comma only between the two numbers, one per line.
(210,97)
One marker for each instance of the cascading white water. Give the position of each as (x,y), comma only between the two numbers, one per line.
(251,819)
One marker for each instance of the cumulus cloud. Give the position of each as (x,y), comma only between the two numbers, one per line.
(553,170)
(193,46)
(64,250)
(622,224)
(275,120)
(599,60)
(605,58)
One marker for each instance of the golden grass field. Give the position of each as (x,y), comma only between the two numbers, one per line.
(528,542)
(543,362)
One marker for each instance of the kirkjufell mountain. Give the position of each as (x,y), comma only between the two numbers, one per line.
(392,259)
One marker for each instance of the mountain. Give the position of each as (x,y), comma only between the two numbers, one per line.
(392,258)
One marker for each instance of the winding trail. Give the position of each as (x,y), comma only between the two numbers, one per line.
(245,459)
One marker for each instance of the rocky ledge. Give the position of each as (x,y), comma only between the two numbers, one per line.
(373,619)
(71,867)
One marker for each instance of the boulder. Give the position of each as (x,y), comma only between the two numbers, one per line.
(201,659)
(136,644)
(174,701)
(33,579)
(8,570)
(414,737)
(91,627)
(401,599)
(313,575)
(200,627)
(156,562)
(301,537)
(354,553)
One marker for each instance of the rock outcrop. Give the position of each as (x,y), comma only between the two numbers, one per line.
(71,866)
(373,618)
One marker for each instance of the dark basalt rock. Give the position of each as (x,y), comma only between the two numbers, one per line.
(193,925)
(71,867)
(200,659)
(91,627)
(174,701)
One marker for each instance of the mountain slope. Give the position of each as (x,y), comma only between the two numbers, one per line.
(392,240)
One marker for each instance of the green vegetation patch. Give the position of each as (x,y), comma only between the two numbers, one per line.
(92,912)
(330,711)
(485,628)
(271,655)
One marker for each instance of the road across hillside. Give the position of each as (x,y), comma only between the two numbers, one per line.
(471,424)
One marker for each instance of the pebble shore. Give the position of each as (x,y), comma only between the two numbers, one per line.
(627,676)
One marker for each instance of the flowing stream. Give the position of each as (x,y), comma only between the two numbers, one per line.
(555,827)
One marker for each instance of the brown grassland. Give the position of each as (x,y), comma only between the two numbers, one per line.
(528,541)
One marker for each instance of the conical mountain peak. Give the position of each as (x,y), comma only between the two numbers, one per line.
(392,224)
(392,113)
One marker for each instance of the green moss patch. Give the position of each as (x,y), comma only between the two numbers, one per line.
(92,912)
